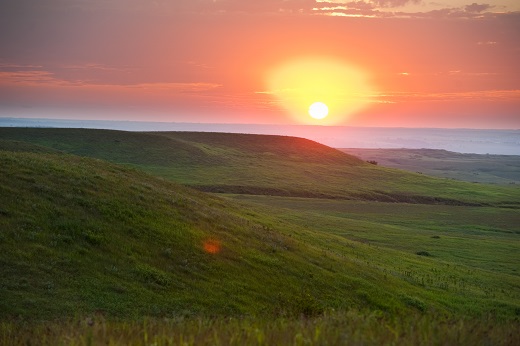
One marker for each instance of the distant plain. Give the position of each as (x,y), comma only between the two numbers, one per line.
(478,168)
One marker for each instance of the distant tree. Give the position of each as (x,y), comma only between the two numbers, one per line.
(373,162)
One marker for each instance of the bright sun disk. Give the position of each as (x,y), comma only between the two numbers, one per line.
(318,110)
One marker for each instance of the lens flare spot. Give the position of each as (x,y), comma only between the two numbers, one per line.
(212,246)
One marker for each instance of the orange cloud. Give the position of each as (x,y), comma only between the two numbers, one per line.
(47,79)
(482,95)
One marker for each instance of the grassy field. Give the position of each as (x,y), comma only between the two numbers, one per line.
(98,252)
(490,169)
(478,237)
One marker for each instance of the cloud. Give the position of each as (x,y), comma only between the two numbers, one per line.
(41,78)
(482,95)
(94,67)
(368,4)
(364,8)
(174,87)
(387,9)
(29,78)
(453,13)
(394,3)
(487,43)
(7,66)
(476,8)
(360,5)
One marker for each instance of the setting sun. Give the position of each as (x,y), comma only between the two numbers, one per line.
(342,89)
(318,110)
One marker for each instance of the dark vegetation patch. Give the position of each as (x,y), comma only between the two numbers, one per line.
(111,145)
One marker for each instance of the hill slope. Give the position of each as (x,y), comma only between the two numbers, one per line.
(263,165)
(82,235)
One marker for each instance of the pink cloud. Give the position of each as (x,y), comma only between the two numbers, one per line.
(48,79)
(480,95)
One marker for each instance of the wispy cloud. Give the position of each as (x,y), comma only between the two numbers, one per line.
(396,8)
(174,87)
(12,66)
(30,78)
(477,8)
(46,79)
(482,95)
(379,8)
(95,67)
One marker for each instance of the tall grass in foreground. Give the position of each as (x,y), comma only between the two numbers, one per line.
(348,328)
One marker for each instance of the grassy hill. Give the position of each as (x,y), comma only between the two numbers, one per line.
(82,235)
(262,165)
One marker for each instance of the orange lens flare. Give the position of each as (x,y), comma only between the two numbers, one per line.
(212,246)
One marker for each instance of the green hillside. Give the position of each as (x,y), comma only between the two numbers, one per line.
(82,235)
(263,165)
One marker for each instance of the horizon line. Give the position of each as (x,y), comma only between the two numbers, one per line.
(250,124)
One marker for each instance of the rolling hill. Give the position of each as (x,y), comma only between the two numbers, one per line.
(262,165)
(81,235)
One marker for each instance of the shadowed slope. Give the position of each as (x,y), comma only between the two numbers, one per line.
(117,146)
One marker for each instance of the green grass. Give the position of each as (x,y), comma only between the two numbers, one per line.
(478,237)
(84,237)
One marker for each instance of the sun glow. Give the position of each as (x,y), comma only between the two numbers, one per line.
(342,89)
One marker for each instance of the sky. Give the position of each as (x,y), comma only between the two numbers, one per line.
(379,63)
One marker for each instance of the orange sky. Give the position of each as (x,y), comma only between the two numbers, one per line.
(425,64)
